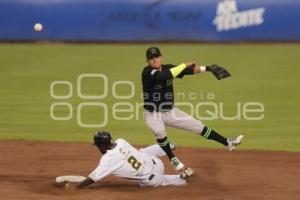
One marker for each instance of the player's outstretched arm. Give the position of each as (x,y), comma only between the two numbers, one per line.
(158,76)
(87,181)
(175,71)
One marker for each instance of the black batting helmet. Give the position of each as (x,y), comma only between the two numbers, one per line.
(102,138)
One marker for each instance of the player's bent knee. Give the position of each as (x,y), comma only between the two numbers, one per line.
(159,134)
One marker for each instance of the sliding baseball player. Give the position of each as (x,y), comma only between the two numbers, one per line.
(123,160)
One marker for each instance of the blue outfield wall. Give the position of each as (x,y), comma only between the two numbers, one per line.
(148,20)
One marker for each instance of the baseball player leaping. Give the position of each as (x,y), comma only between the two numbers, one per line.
(159,107)
(123,160)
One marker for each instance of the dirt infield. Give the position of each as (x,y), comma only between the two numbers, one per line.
(28,170)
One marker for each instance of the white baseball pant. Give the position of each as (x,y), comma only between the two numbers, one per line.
(176,118)
(159,178)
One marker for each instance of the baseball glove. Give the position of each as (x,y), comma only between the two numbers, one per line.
(218,72)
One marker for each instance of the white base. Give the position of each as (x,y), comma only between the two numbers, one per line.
(69,178)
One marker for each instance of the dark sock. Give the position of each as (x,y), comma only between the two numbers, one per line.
(210,134)
(164,143)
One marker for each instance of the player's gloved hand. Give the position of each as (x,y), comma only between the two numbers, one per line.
(218,72)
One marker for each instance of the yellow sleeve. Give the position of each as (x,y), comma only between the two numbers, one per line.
(175,71)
